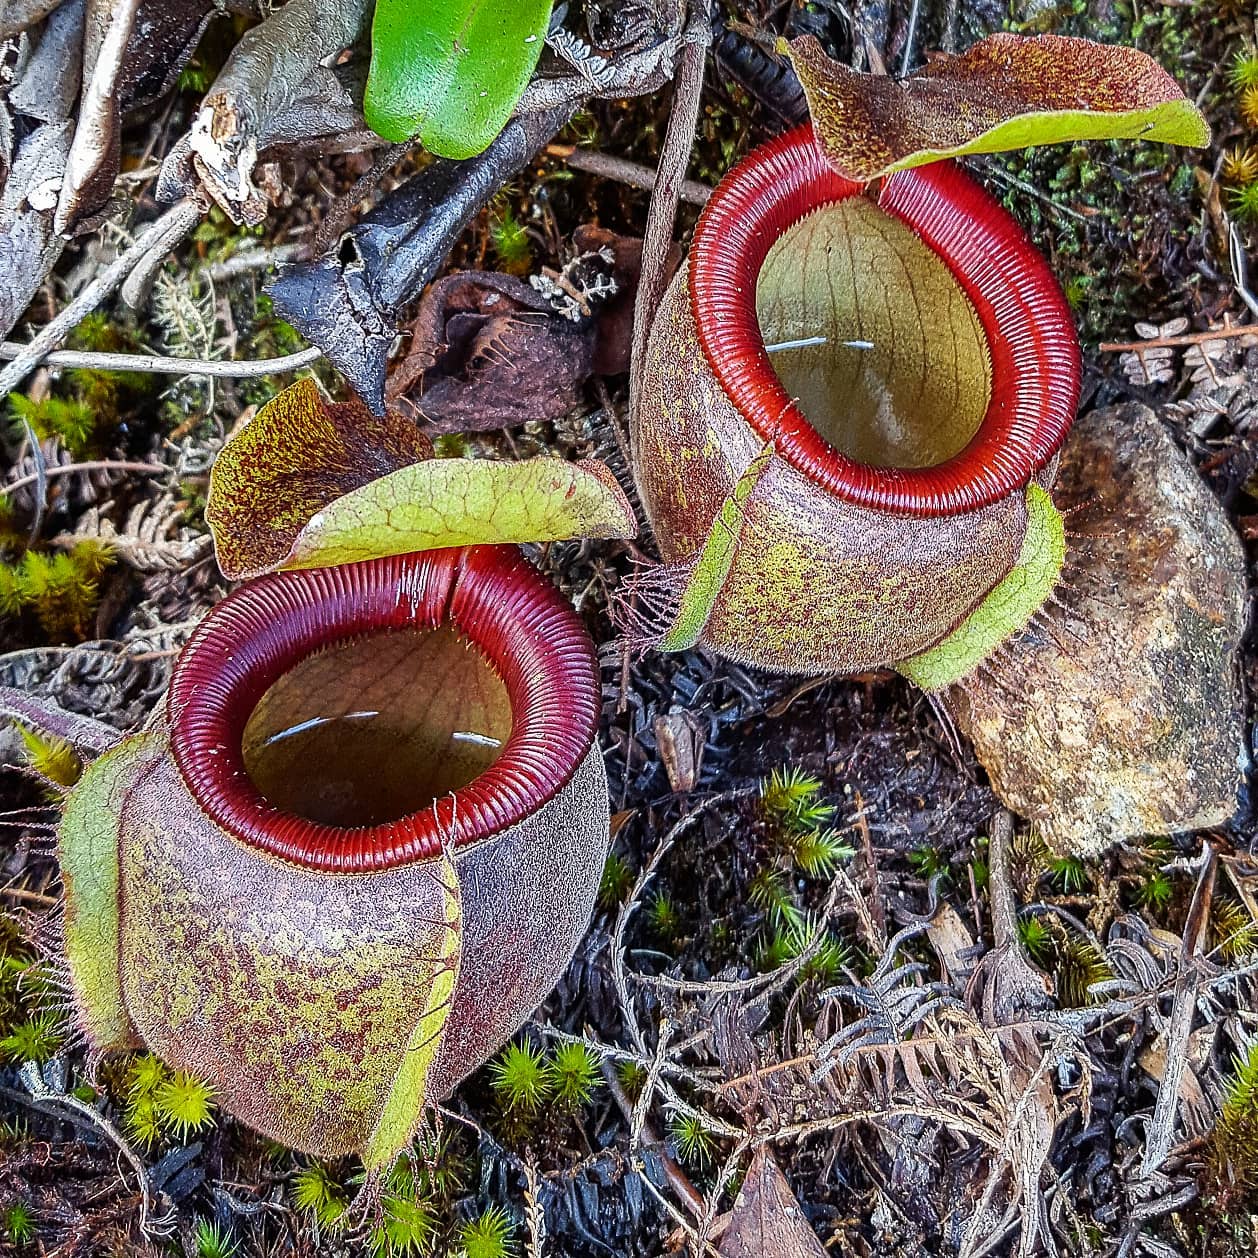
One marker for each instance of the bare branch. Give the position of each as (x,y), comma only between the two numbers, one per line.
(234,369)
(166,232)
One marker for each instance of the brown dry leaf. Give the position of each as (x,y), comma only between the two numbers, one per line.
(1006,92)
(487,350)
(767,1221)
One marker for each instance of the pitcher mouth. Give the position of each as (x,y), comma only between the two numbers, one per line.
(489,595)
(1034,353)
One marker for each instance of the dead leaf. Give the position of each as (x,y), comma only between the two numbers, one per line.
(681,737)
(1006,92)
(489,351)
(767,1220)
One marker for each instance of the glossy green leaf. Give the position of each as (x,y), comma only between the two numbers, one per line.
(451,71)
(1006,92)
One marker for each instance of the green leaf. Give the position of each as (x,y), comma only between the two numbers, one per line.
(308,484)
(1007,609)
(714,562)
(461,502)
(451,71)
(1006,92)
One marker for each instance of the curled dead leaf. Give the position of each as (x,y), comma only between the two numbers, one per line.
(488,351)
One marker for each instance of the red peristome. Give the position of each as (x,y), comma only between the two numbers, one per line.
(1026,320)
(490,594)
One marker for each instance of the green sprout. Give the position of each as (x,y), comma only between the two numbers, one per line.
(615,883)
(1232,1149)
(663,915)
(792,798)
(18,1224)
(437,1165)
(1079,965)
(520,1078)
(51,757)
(317,1193)
(573,1072)
(71,421)
(926,862)
(510,241)
(1035,938)
(183,1104)
(142,1120)
(1233,932)
(36,1039)
(407,1226)
(145,1075)
(819,852)
(1155,891)
(631,1077)
(1244,69)
(213,1241)
(1244,202)
(488,1236)
(693,1140)
(784,946)
(1068,873)
(770,891)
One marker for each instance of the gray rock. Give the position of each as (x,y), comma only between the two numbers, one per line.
(1117,712)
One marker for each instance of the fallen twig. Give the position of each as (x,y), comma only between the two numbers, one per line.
(657,240)
(623,171)
(1191,970)
(236,369)
(1174,342)
(94,465)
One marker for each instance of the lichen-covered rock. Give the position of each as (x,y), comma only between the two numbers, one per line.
(1117,712)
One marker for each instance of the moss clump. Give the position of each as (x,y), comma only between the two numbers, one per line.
(59,591)
(1231,1168)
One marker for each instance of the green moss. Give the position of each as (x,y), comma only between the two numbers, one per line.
(770,891)
(664,917)
(615,883)
(184,1104)
(213,1241)
(520,1079)
(61,590)
(36,1039)
(17,1224)
(317,1193)
(574,1072)
(1231,1170)
(1036,940)
(1068,874)
(488,1236)
(692,1139)
(510,242)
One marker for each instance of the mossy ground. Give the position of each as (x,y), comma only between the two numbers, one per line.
(1136,236)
